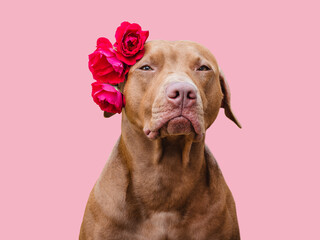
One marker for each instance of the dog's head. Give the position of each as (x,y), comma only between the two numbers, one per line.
(177,88)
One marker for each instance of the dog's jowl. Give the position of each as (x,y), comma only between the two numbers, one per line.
(161,181)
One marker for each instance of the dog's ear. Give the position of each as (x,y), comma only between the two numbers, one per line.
(226,99)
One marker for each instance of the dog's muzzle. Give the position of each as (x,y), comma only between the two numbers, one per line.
(177,112)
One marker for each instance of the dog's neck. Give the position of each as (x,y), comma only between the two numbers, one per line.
(154,166)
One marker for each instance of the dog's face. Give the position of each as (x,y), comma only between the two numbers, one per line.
(175,89)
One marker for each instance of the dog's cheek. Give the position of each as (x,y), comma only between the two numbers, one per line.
(150,101)
(213,96)
(133,95)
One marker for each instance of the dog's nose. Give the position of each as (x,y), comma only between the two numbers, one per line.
(180,93)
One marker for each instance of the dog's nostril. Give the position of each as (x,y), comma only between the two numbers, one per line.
(191,95)
(174,94)
(180,93)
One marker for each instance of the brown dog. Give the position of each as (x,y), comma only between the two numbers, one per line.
(161,181)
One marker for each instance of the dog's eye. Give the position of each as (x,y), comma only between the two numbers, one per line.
(146,68)
(203,68)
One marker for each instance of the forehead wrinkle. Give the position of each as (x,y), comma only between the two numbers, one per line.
(154,55)
(175,52)
(200,59)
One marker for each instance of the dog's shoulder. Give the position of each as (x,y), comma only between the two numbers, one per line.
(113,180)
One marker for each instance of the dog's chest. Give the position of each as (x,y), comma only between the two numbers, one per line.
(171,226)
(161,226)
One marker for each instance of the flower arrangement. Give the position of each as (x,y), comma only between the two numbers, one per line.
(109,65)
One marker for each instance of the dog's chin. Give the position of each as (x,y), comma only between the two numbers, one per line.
(176,126)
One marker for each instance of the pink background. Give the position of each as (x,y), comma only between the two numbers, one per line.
(55,142)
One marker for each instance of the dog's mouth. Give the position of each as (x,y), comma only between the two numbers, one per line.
(177,125)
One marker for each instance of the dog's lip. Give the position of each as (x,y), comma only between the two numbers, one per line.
(155,133)
(151,134)
(179,126)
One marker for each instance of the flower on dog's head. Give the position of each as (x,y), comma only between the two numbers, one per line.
(104,65)
(110,64)
(107,97)
(130,41)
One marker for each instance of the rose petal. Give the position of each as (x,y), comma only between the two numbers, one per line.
(130,41)
(107,97)
(120,31)
(105,66)
(134,27)
(127,60)
(103,43)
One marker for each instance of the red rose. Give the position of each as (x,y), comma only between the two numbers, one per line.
(130,41)
(104,64)
(107,97)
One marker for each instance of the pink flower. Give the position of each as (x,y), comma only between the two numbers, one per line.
(104,64)
(130,41)
(107,97)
